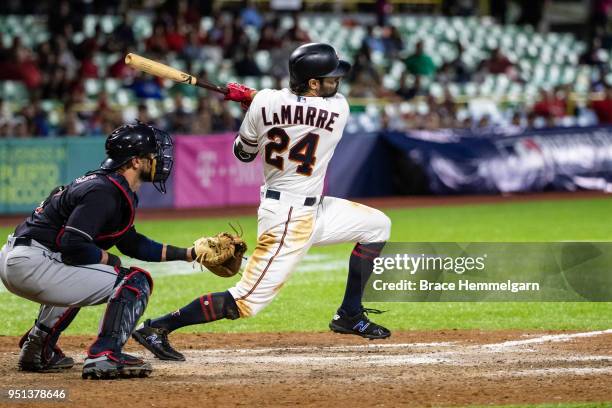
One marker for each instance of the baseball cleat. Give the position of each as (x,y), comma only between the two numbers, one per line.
(58,362)
(31,355)
(113,365)
(358,324)
(156,341)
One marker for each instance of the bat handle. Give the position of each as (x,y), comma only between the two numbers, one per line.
(212,87)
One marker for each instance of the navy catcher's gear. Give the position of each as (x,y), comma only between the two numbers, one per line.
(139,140)
(93,212)
(314,61)
(124,308)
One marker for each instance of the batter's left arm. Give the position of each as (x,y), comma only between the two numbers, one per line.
(245,151)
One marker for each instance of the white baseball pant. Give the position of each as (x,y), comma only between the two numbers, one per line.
(287,229)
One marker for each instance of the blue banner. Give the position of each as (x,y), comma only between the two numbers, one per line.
(534,160)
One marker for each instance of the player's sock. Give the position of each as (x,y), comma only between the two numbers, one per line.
(207,308)
(360,269)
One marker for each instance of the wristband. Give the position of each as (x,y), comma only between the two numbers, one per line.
(113,260)
(175,253)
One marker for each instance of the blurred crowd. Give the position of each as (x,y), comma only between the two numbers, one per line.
(56,69)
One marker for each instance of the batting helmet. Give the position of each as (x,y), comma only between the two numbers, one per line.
(139,140)
(315,60)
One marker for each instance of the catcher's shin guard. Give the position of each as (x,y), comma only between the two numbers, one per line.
(125,306)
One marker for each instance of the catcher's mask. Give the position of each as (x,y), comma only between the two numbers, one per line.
(141,140)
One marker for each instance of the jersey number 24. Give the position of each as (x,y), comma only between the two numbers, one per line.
(303,152)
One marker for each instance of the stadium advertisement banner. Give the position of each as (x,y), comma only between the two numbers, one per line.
(31,168)
(534,160)
(491,272)
(207,174)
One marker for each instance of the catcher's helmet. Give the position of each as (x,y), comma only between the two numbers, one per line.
(139,140)
(315,60)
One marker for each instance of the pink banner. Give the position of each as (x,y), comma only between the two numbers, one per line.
(206,173)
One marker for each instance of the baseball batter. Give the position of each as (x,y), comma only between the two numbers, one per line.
(295,131)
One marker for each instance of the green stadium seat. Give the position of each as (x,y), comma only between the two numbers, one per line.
(41,37)
(112,85)
(190,104)
(267,82)
(14,91)
(89,25)
(168,104)
(262,58)
(142,27)
(54,117)
(108,23)
(251,82)
(207,23)
(390,82)
(123,97)
(48,105)
(235,109)
(92,87)
(406,108)
(436,90)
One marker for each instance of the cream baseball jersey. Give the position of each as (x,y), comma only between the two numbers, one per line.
(296,137)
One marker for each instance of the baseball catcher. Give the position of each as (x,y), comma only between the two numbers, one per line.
(58,257)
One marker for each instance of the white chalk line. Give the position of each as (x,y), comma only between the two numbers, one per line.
(552,338)
(493,347)
(316,360)
(557,371)
(451,353)
(305,349)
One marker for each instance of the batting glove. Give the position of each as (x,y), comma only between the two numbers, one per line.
(240,93)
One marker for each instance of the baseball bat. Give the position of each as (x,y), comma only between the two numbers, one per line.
(164,71)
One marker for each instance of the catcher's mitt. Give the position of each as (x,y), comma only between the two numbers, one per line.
(220,254)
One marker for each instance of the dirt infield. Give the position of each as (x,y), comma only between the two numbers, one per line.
(434,368)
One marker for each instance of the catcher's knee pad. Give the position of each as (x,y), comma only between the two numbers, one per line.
(125,306)
(135,274)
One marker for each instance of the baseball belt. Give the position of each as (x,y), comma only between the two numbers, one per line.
(276,195)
